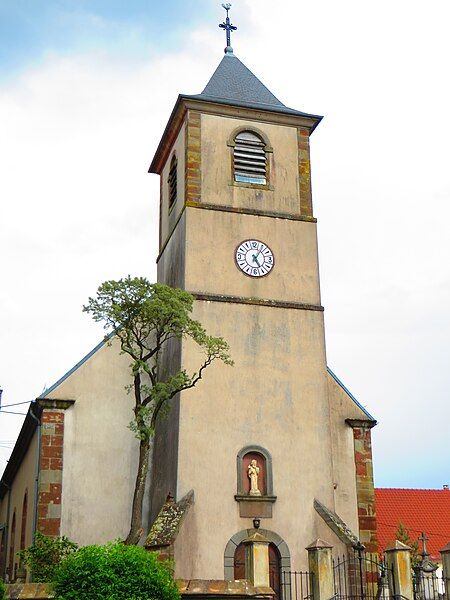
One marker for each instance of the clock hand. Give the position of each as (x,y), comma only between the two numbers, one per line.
(254,257)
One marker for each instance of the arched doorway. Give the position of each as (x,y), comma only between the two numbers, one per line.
(23,530)
(274,567)
(3,554)
(11,570)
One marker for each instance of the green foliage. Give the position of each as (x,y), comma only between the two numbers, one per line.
(402,535)
(44,556)
(145,317)
(2,590)
(114,572)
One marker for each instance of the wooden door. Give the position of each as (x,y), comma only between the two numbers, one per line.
(275,570)
(239,562)
(274,567)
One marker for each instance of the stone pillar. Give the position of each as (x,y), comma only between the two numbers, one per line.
(445,554)
(257,559)
(304,167)
(398,560)
(365,491)
(51,465)
(320,565)
(193,179)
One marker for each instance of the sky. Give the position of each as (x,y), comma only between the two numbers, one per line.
(86,88)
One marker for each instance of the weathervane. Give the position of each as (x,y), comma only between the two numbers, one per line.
(228,28)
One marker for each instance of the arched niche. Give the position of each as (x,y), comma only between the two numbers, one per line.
(265,479)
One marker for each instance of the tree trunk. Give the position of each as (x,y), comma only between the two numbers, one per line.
(136,529)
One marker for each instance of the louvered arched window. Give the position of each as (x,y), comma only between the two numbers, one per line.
(249,158)
(172,181)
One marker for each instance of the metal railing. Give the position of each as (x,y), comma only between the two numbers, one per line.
(358,576)
(296,585)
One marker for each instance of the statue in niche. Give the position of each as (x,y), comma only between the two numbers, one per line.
(253,472)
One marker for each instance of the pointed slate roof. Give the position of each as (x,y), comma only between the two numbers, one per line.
(233,83)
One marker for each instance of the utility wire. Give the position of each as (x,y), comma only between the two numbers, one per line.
(442,535)
(17,403)
(10,412)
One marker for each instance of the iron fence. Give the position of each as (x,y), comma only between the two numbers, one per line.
(358,576)
(296,585)
(430,585)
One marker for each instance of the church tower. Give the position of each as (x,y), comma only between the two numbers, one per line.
(237,230)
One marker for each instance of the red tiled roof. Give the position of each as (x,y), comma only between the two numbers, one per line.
(418,510)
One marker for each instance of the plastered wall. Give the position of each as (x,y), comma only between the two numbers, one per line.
(217,179)
(276,397)
(342,407)
(211,241)
(23,482)
(100,453)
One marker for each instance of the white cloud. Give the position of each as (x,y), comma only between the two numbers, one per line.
(78,133)
(78,205)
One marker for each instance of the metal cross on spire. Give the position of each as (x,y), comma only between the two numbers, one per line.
(228,28)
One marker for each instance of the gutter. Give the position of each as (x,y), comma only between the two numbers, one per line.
(36,470)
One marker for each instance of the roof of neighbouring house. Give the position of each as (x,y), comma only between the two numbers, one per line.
(419,511)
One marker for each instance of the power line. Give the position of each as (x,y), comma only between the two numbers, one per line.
(17,403)
(10,412)
(442,535)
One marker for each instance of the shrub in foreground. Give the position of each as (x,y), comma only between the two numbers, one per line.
(44,556)
(2,590)
(114,572)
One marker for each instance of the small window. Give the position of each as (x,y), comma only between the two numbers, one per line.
(172,181)
(250,161)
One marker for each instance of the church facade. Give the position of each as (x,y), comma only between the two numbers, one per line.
(276,441)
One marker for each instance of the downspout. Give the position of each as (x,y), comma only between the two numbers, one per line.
(36,469)
(8,511)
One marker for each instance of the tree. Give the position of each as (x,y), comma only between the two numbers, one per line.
(146,317)
(114,572)
(402,535)
(44,556)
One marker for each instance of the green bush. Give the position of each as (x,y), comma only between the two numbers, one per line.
(2,590)
(44,556)
(114,572)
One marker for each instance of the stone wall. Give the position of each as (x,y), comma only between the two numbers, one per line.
(189,589)
(37,591)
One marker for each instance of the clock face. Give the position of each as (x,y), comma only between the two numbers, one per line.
(254,258)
